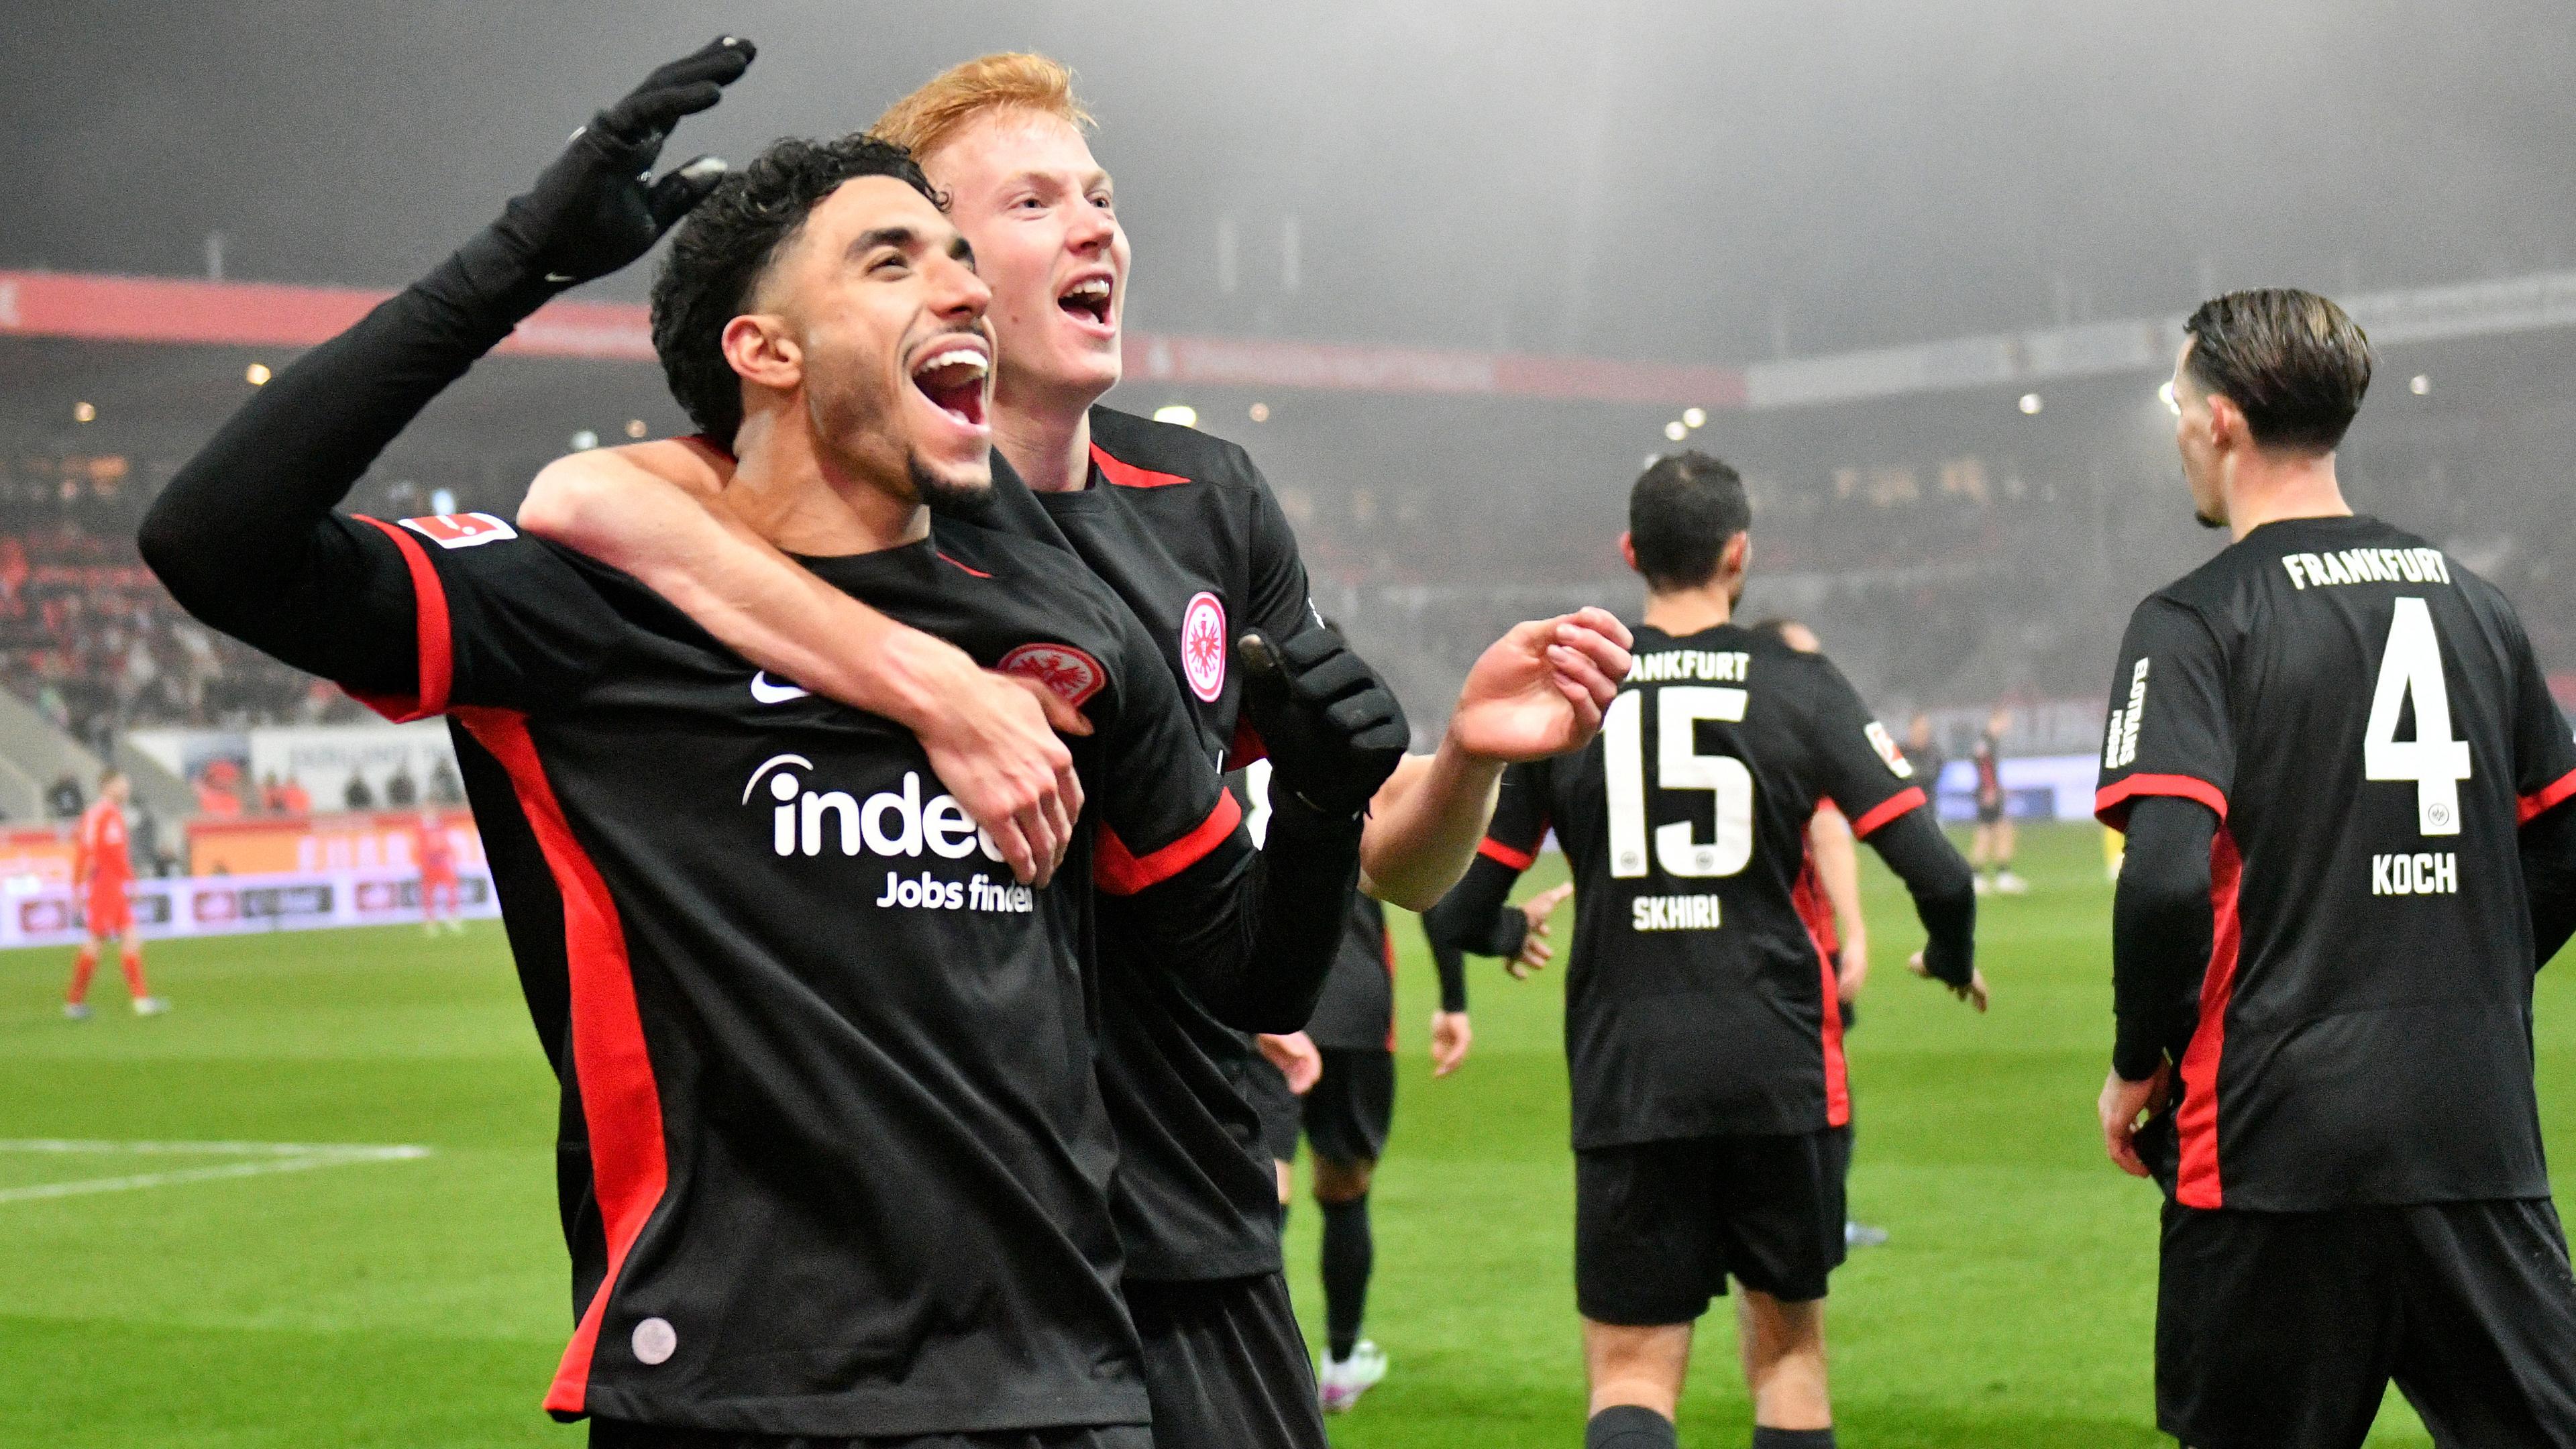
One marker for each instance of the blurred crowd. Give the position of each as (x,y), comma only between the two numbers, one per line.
(1937,577)
(90,638)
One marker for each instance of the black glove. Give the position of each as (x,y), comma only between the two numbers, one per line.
(1333,729)
(598,207)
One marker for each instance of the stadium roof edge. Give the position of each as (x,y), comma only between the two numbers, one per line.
(175,310)
(254,314)
(2143,344)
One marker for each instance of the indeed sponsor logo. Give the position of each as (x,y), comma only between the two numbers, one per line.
(889,822)
(929,892)
(896,824)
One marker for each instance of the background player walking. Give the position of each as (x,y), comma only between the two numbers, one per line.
(102,872)
(2336,759)
(1990,851)
(435,853)
(1702,1032)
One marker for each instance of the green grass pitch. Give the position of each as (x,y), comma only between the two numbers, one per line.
(422,1301)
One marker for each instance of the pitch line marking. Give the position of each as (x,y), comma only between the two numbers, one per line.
(271,1157)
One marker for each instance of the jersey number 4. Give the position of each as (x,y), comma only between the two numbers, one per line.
(1679,766)
(2433,760)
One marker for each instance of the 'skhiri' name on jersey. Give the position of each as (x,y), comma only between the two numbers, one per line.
(2368,566)
(1673,913)
(1718,666)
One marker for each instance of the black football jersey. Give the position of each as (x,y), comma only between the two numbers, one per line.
(1357,1010)
(1697,1003)
(1183,529)
(2368,722)
(836,1158)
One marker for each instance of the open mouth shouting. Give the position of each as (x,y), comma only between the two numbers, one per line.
(1088,302)
(951,373)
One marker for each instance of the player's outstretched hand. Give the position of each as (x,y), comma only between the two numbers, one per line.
(1974,993)
(992,742)
(598,207)
(1297,1058)
(1332,727)
(1535,951)
(2125,1105)
(1450,1038)
(1540,690)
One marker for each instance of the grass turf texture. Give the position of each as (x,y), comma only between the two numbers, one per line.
(424,1302)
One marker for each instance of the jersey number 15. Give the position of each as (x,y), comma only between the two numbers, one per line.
(1679,766)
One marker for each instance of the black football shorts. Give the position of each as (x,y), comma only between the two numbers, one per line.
(612,1434)
(1660,1226)
(1225,1364)
(1347,1114)
(2283,1330)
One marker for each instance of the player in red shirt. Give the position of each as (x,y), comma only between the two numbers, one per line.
(102,868)
(435,854)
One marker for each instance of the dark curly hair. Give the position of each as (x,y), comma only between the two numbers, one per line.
(1680,515)
(2296,363)
(720,253)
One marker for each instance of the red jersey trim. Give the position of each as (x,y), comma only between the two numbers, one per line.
(1830,1034)
(961,568)
(1386,940)
(2198,1184)
(1492,849)
(621,1104)
(1247,746)
(2540,802)
(1122,873)
(1128,475)
(437,651)
(2111,802)
(1887,810)
(1815,912)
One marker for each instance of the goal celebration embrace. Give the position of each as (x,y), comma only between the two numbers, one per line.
(927,891)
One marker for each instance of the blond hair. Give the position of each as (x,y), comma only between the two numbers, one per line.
(932,116)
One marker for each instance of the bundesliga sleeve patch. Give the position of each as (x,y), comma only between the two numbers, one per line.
(1885,743)
(461,530)
(1073,675)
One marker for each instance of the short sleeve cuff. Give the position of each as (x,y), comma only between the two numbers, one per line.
(2111,803)
(1886,812)
(2545,799)
(1122,872)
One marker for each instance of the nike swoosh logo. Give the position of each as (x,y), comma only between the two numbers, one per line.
(768,693)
